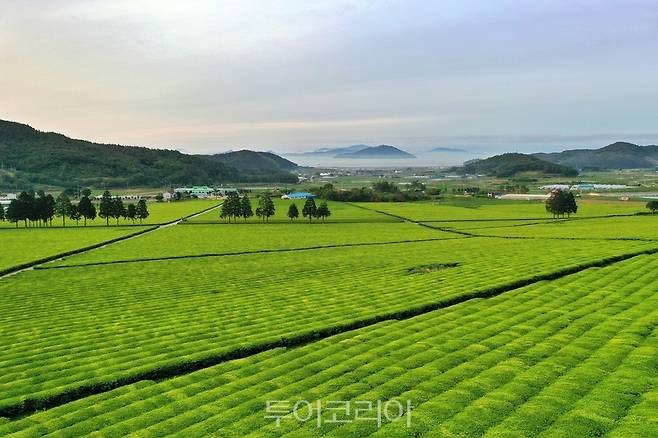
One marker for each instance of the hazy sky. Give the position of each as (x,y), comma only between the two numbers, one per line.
(207,76)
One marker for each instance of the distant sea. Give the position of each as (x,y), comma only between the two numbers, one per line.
(438,159)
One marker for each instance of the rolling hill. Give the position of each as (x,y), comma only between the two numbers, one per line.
(254,161)
(29,156)
(510,164)
(620,155)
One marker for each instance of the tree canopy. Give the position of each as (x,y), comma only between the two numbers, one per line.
(561,202)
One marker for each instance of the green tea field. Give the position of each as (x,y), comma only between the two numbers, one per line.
(388,319)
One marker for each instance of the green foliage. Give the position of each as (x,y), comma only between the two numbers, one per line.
(382,191)
(310,210)
(2,212)
(266,207)
(74,214)
(86,209)
(63,207)
(510,164)
(142,211)
(293,212)
(653,206)
(561,202)
(30,152)
(323,211)
(106,207)
(118,209)
(231,207)
(245,207)
(131,212)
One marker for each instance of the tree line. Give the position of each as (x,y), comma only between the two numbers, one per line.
(39,209)
(236,206)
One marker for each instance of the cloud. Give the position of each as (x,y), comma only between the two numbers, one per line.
(218,74)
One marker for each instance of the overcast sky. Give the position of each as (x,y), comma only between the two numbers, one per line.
(208,76)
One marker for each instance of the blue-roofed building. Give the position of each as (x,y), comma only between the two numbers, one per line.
(298,195)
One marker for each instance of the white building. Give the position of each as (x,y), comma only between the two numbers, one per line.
(6,199)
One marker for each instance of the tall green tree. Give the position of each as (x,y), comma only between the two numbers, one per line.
(74,214)
(231,207)
(323,211)
(310,210)
(266,207)
(293,212)
(46,207)
(245,207)
(13,212)
(106,207)
(131,212)
(2,212)
(62,207)
(561,202)
(85,192)
(23,207)
(118,209)
(87,209)
(142,210)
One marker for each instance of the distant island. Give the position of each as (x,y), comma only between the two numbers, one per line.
(450,150)
(381,151)
(362,151)
(330,151)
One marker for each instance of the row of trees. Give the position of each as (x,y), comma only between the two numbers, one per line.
(39,209)
(381,191)
(113,208)
(235,207)
(561,202)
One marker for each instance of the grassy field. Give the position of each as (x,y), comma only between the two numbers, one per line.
(200,239)
(573,357)
(488,209)
(516,334)
(27,245)
(340,212)
(634,227)
(159,213)
(108,324)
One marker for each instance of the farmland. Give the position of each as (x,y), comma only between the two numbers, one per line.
(340,212)
(206,239)
(190,329)
(24,246)
(635,227)
(486,209)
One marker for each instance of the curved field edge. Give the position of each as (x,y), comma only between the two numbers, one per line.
(485,366)
(28,404)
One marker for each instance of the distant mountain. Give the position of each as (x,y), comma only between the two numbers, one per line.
(331,151)
(381,151)
(620,155)
(510,164)
(450,150)
(28,156)
(254,161)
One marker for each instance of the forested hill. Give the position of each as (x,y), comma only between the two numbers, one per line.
(28,156)
(620,155)
(510,164)
(257,161)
